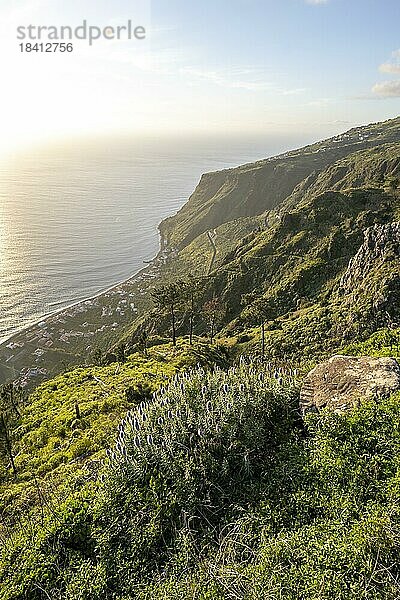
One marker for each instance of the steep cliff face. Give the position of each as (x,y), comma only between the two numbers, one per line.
(381,245)
(228,195)
(255,188)
(322,264)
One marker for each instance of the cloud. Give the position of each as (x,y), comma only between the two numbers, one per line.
(240,78)
(320,102)
(390,68)
(317,2)
(293,92)
(387,89)
(393,66)
(341,122)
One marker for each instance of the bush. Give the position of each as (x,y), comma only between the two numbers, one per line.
(185,465)
(214,490)
(328,520)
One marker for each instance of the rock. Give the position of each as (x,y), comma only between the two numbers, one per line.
(342,381)
(381,244)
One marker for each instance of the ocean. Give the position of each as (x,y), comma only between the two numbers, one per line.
(79,217)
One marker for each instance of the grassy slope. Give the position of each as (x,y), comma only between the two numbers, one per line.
(339,512)
(51,443)
(231,498)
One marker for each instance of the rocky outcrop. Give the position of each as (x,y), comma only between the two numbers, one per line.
(343,381)
(381,244)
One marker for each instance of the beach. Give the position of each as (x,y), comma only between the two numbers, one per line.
(72,335)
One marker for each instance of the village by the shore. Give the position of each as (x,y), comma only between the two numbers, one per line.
(73,335)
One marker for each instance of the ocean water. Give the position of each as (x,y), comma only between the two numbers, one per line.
(78,217)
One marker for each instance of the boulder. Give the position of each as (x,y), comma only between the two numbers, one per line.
(342,381)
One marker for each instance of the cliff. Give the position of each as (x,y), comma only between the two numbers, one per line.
(182,471)
(283,263)
(255,188)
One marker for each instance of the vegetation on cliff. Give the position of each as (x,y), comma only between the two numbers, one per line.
(282,267)
(215,489)
(179,465)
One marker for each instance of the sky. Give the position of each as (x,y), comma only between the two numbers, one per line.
(211,67)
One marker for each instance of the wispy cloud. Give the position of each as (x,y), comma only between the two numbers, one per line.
(317,2)
(168,62)
(341,122)
(387,89)
(392,66)
(241,78)
(320,102)
(245,78)
(293,92)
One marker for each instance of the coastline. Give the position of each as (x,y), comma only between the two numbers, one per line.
(151,264)
(71,336)
(59,311)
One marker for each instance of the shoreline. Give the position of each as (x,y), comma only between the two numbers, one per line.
(149,265)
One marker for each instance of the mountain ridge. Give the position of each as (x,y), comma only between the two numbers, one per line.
(240,242)
(251,189)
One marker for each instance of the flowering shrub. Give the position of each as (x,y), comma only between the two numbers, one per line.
(187,461)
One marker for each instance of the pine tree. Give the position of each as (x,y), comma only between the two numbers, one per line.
(169,298)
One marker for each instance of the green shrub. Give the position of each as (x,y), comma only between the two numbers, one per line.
(328,520)
(186,464)
(214,490)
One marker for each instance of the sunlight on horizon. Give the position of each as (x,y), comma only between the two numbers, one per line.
(170,83)
(48,96)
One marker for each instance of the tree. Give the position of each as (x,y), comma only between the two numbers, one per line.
(99,357)
(120,353)
(77,409)
(192,293)
(213,311)
(11,398)
(142,341)
(169,298)
(256,311)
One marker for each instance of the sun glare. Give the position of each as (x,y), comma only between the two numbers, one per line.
(48,95)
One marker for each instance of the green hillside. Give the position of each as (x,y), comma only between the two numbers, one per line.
(284,267)
(255,188)
(185,471)
(214,489)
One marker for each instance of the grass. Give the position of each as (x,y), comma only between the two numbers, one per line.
(176,475)
(52,444)
(214,489)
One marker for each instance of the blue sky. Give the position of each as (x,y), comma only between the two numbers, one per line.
(324,56)
(241,66)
